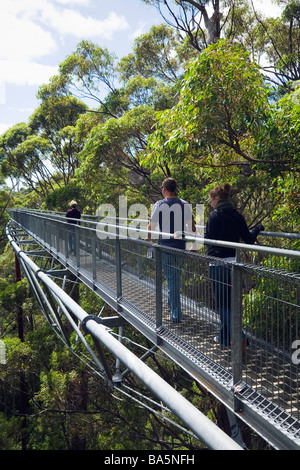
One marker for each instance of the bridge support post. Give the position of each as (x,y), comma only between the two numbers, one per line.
(77,245)
(118,269)
(236,328)
(94,255)
(236,434)
(158,291)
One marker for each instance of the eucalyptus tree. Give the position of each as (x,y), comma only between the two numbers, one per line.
(115,134)
(9,140)
(201,21)
(222,101)
(88,74)
(159,54)
(28,162)
(273,41)
(23,158)
(55,120)
(282,44)
(43,153)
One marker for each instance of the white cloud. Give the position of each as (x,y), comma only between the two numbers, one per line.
(53,17)
(21,38)
(32,30)
(22,72)
(71,22)
(74,2)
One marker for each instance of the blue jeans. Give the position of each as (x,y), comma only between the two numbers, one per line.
(221,283)
(172,265)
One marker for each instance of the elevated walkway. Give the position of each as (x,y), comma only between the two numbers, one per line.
(262,387)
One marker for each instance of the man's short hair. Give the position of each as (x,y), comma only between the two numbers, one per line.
(170,185)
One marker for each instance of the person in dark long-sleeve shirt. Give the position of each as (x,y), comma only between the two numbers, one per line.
(227,224)
(72,214)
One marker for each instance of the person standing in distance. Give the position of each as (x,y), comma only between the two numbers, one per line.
(171,215)
(227,224)
(71,215)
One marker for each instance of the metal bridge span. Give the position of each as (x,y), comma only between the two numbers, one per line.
(261,387)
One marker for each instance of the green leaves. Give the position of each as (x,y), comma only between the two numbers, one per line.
(87,68)
(222,99)
(277,141)
(155,55)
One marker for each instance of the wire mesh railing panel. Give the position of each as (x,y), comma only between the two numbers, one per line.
(138,276)
(199,322)
(271,311)
(104,262)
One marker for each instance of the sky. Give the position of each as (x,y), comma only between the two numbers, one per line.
(37,35)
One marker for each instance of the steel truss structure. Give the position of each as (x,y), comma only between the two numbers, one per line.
(120,272)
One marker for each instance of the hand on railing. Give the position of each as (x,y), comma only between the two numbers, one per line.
(261,228)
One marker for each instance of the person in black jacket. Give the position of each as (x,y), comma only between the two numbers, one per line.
(227,224)
(72,214)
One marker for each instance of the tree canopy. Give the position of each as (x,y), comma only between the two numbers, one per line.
(211,90)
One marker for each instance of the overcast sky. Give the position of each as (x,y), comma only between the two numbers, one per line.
(37,35)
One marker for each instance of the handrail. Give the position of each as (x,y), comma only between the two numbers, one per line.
(190,237)
(90,217)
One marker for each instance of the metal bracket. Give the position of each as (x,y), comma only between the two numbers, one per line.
(87,318)
(109,322)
